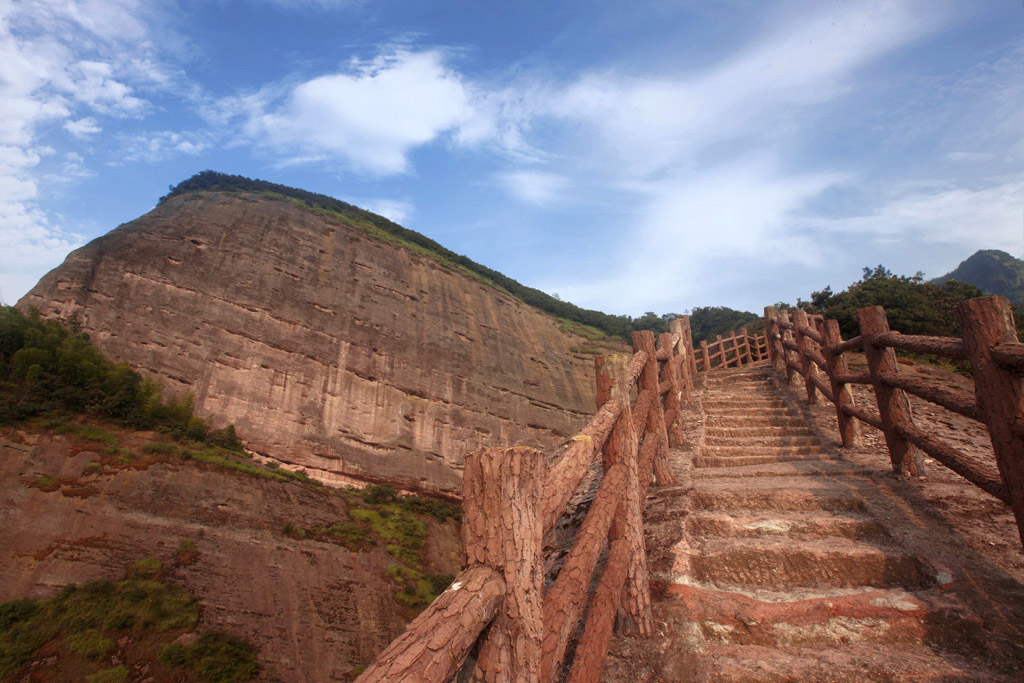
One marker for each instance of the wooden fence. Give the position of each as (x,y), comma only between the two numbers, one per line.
(814,349)
(734,350)
(496,622)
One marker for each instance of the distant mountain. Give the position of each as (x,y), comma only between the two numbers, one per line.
(994,271)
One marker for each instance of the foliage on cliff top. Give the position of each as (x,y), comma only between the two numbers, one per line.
(616,325)
(47,367)
(72,635)
(912,305)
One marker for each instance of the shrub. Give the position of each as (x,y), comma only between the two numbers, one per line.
(118,674)
(217,656)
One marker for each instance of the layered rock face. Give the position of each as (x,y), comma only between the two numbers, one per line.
(346,355)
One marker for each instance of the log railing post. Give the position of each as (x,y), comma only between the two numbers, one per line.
(835,365)
(769,335)
(685,364)
(655,427)
(705,355)
(746,345)
(673,404)
(893,406)
(807,367)
(502,528)
(720,344)
(787,335)
(999,392)
(688,345)
(628,523)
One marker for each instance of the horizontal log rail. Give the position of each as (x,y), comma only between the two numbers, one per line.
(733,350)
(496,609)
(802,345)
(939,346)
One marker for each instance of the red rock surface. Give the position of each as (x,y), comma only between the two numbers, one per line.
(329,350)
(314,609)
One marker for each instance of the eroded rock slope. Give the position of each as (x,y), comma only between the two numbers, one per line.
(346,355)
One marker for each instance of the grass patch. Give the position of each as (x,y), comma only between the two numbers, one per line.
(217,656)
(117,674)
(403,534)
(45,483)
(88,432)
(81,624)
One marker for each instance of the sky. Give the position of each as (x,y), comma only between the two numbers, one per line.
(652,155)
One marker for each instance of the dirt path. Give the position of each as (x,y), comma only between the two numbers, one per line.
(777,558)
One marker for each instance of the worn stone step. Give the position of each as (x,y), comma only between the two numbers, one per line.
(725,461)
(786,562)
(755,421)
(726,451)
(852,664)
(783,524)
(726,495)
(782,466)
(758,431)
(778,439)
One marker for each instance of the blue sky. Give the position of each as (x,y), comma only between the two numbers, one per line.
(628,156)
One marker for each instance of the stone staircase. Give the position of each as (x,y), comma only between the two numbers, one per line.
(775,559)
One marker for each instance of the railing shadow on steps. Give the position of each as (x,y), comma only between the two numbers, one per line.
(812,348)
(496,622)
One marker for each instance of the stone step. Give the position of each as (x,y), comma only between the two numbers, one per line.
(851,664)
(778,439)
(726,495)
(758,431)
(783,524)
(726,451)
(754,421)
(782,466)
(781,563)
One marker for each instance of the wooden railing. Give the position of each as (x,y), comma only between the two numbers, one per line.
(813,348)
(733,350)
(496,622)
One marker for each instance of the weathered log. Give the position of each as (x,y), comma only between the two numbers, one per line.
(565,600)
(636,366)
(854,378)
(1009,354)
(940,346)
(705,356)
(644,340)
(597,635)
(951,399)
(436,643)
(893,406)
(502,528)
(746,345)
(954,460)
(987,322)
(670,372)
(824,387)
(686,367)
(664,353)
(807,369)
(848,345)
(771,334)
(809,331)
(864,416)
(565,476)
(815,356)
(835,367)
(791,345)
(641,409)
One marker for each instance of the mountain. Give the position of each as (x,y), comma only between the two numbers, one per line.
(332,339)
(994,272)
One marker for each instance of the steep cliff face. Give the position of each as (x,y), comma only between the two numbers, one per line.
(347,355)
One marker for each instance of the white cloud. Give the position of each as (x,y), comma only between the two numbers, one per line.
(393,209)
(160,145)
(536,187)
(82,128)
(370,117)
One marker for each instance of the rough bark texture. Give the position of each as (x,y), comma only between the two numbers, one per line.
(687,366)
(567,598)
(807,368)
(564,477)
(769,334)
(436,643)
(501,528)
(622,448)
(593,644)
(785,345)
(835,365)
(670,372)
(893,407)
(654,422)
(986,322)
(343,354)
